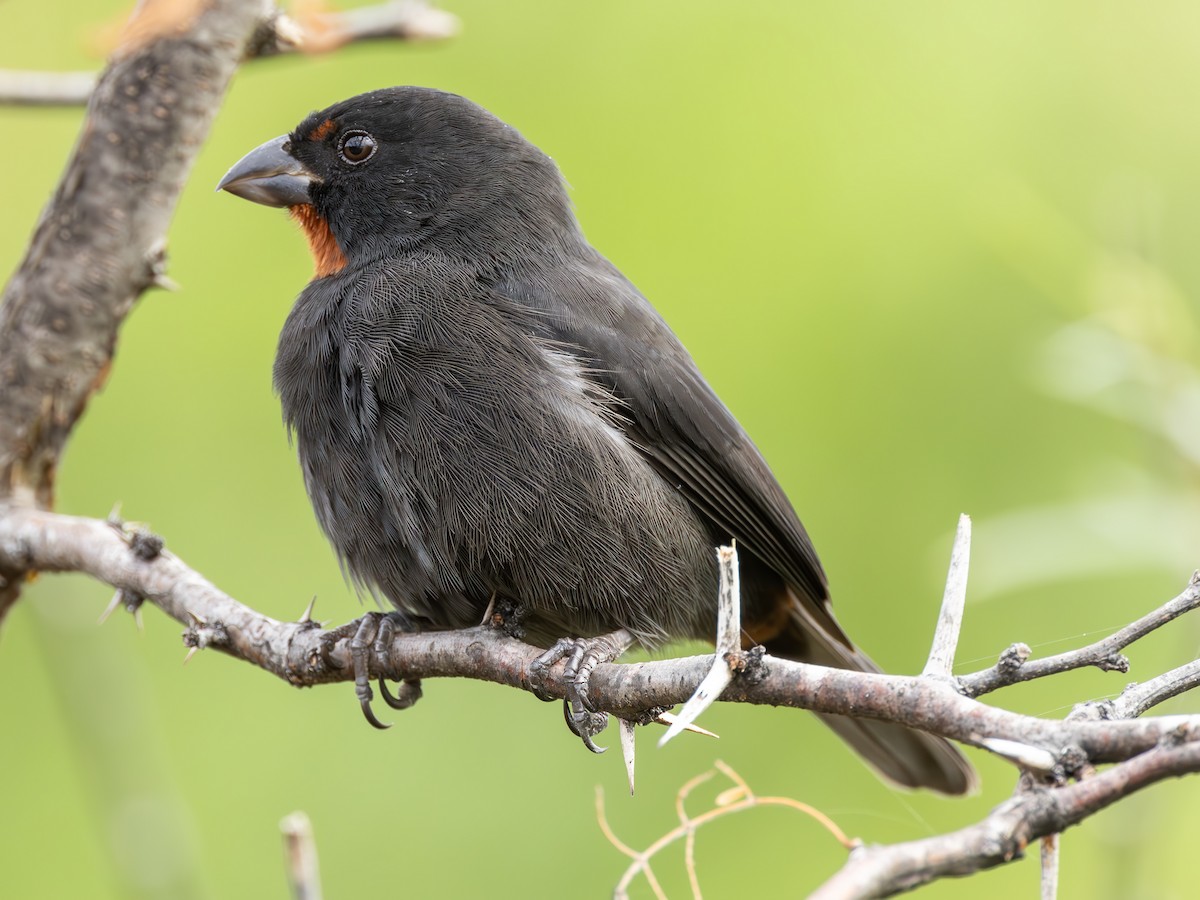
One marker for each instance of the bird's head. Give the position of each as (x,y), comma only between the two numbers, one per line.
(397,168)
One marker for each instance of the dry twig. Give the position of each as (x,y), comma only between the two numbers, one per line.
(736,799)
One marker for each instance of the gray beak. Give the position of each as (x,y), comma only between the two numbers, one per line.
(269,175)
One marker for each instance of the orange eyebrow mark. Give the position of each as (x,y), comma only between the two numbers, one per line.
(322,131)
(328,258)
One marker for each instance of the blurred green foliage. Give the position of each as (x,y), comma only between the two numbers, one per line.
(935,256)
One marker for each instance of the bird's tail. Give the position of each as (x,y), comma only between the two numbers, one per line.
(909,758)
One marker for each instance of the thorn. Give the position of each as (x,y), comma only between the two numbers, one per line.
(165,282)
(1024,755)
(670,719)
(717,679)
(307,616)
(137,619)
(112,605)
(627,748)
(114,516)
(487,613)
(192,652)
(196,617)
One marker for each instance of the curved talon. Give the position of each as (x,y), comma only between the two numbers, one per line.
(365,703)
(582,655)
(592,745)
(584,724)
(409,693)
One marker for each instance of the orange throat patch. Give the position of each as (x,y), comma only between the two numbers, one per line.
(328,258)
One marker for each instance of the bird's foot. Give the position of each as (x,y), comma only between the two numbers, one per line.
(582,655)
(371,641)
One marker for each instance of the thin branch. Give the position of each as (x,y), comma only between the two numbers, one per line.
(21,88)
(877,871)
(954,601)
(737,799)
(1137,699)
(407,20)
(728,645)
(318,31)
(1015,666)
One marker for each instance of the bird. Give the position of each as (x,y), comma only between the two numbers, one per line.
(485,407)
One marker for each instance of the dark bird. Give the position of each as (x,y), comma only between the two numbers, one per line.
(485,407)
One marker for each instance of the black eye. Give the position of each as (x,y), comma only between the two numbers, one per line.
(356,147)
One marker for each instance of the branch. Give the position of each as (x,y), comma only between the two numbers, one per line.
(303,654)
(1014,665)
(276,34)
(1036,812)
(21,88)
(101,240)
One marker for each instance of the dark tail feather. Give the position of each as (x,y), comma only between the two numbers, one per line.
(909,758)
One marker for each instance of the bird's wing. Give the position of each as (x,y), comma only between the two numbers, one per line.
(674,417)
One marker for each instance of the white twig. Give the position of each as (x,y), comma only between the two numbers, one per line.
(729,641)
(1051,846)
(301,856)
(45,88)
(945,639)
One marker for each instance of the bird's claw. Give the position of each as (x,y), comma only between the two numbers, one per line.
(371,641)
(584,724)
(582,655)
(408,693)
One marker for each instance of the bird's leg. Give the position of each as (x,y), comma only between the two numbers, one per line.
(360,646)
(372,634)
(582,655)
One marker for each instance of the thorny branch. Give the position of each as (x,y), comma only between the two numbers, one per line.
(100,244)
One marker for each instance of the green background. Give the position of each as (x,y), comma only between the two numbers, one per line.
(937,257)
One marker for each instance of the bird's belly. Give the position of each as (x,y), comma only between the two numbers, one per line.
(443,505)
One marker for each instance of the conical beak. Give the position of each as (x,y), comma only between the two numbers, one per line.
(269,175)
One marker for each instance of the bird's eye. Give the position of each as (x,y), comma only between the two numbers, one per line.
(356,147)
